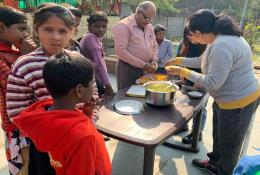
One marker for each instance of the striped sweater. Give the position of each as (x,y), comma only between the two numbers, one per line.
(25,83)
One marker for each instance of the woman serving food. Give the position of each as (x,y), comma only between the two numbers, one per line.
(228,76)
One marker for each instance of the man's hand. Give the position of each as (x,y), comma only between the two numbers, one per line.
(154,64)
(27,46)
(148,68)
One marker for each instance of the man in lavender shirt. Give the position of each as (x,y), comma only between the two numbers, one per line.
(135,45)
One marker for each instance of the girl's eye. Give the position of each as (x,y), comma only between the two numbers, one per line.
(48,30)
(63,31)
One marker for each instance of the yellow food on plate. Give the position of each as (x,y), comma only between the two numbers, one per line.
(160,77)
(152,77)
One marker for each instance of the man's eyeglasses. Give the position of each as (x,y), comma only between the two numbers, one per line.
(146,18)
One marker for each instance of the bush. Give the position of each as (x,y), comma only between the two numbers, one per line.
(251,33)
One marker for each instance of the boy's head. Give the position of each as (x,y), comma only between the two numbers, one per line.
(160,32)
(97,23)
(13,25)
(69,75)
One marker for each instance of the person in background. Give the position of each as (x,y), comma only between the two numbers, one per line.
(77,15)
(165,49)
(76,148)
(53,26)
(135,45)
(92,48)
(14,42)
(189,49)
(228,76)
(74,44)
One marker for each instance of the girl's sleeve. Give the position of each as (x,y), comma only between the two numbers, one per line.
(194,62)
(19,93)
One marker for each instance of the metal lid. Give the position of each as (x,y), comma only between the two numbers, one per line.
(195,94)
(129,107)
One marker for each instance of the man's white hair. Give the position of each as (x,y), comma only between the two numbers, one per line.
(143,6)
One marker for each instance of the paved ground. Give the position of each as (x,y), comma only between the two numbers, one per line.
(127,159)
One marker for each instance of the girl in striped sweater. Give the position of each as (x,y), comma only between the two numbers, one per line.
(52,26)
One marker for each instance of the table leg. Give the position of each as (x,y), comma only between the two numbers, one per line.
(149,153)
(196,129)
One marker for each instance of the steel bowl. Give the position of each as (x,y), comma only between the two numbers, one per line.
(158,97)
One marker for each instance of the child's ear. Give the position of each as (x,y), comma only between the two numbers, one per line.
(78,90)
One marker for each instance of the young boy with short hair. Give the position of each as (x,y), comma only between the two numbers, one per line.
(165,48)
(55,126)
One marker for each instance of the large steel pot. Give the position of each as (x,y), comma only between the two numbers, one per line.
(159,98)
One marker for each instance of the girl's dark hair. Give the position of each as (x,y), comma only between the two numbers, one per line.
(64,71)
(43,14)
(186,44)
(99,15)
(10,16)
(206,21)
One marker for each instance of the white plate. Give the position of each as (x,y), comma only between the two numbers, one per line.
(129,107)
(195,94)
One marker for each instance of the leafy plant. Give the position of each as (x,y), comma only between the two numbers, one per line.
(251,33)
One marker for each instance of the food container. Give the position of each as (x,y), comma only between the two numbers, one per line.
(160,93)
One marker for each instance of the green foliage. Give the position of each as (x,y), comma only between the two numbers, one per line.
(166,7)
(233,8)
(251,33)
